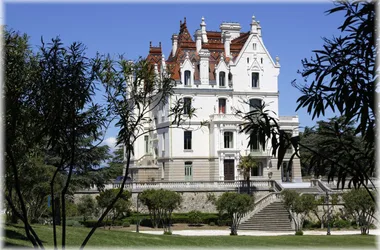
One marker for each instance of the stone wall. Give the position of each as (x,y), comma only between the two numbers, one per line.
(192,200)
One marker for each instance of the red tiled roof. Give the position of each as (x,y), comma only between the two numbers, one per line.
(187,44)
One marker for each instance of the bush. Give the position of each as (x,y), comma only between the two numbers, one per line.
(126,224)
(195,217)
(167,233)
(342,224)
(71,223)
(299,232)
(212,223)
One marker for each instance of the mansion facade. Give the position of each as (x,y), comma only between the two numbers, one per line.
(216,72)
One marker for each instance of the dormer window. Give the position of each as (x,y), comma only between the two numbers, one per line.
(222,79)
(187,77)
(255,80)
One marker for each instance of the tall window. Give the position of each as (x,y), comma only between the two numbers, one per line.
(187,77)
(188,171)
(254,46)
(222,106)
(187,140)
(258,171)
(163,142)
(186,105)
(228,140)
(254,141)
(146,143)
(254,104)
(255,80)
(222,79)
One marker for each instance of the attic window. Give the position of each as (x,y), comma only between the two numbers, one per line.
(254,46)
(261,60)
(187,77)
(247,59)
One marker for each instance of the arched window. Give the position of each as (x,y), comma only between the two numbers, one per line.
(228,139)
(222,79)
(187,77)
(222,105)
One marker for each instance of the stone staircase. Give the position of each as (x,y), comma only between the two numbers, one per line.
(306,190)
(273,217)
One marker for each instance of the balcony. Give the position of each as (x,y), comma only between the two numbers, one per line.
(221,118)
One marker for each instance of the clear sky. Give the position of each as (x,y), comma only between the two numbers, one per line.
(290,31)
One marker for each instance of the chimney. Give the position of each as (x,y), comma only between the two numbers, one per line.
(175,44)
(227,42)
(204,55)
(198,39)
(232,28)
(203,30)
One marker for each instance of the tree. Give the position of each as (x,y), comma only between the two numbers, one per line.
(327,208)
(161,203)
(359,204)
(49,109)
(235,206)
(133,91)
(344,76)
(298,206)
(247,163)
(121,206)
(87,207)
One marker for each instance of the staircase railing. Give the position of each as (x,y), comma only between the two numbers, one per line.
(262,203)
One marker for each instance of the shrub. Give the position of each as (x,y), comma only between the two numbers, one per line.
(167,233)
(195,217)
(299,232)
(212,223)
(70,223)
(342,224)
(126,224)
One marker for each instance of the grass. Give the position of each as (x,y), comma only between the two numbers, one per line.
(15,237)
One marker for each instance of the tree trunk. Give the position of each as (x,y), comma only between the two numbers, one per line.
(248,185)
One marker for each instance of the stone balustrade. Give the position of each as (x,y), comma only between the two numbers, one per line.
(261,203)
(199,186)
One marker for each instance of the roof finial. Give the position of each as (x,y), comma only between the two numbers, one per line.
(150,44)
(160,44)
(180,22)
(185,20)
(203,18)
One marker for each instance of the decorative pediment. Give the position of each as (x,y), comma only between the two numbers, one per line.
(255,65)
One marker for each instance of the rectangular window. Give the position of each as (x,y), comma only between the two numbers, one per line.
(228,140)
(255,80)
(188,171)
(146,143)
(187,77)
(255,145)
(186,105)
(254,46)
(254,104)
(257,171)
(163,171)
(222,106)
(222,78)
(163,142)
(187,139)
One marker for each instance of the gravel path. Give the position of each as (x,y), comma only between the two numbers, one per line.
(254,233)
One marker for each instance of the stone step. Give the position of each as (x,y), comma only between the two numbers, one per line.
(273,217)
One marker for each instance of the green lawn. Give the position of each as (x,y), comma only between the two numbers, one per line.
(15,236)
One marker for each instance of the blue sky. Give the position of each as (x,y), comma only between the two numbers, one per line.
(290,31)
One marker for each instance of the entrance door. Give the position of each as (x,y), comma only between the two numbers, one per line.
(229,170)
(286,172)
